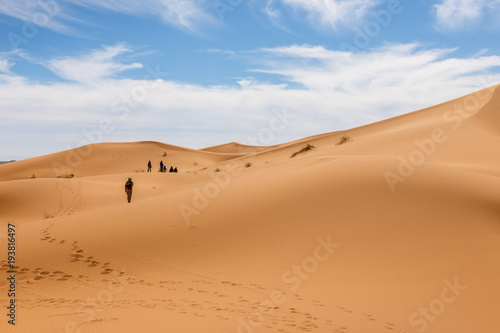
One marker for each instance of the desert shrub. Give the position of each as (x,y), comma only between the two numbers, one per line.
(343,140)
(47,215)
(66,176)
(303,150)
(248,164)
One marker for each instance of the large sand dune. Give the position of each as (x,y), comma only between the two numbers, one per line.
(389,227)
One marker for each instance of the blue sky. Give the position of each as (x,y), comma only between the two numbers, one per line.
(200,73)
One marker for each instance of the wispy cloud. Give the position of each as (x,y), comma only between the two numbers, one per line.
(185,14)
(52,15)
(93,67)
(5,65)
(9,59)
(59,15)
(329,14)
(317,68)
(460,14)
(188,14)
(274,13)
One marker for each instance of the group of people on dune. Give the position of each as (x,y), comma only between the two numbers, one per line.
(163,167)
(129,184)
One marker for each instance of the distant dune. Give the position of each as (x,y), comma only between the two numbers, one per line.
(234,147)
(388,227)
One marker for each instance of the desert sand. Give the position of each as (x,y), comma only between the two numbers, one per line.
(389,227)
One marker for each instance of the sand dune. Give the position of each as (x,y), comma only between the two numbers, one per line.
(110,158)
(389,227)
(235,147)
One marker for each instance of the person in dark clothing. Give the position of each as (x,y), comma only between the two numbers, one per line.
(164,168)
(171,169)
(161,166)
(128,189)
(149,166)
(175,170)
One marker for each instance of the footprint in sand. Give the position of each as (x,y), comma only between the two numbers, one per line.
(369,317)
(340,330)
(65,277)
(94,263)
(389,326)
(107,271)
(317,303)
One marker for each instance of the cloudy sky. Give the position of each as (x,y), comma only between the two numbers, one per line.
(197,73)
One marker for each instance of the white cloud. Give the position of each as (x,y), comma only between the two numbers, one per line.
(461,14)
(187,14)
(7,61)
(317,68)
(49,14)
(304,51)
(329,14)
(92,67)
(326,90)
(274,13)
(5,65)
(59,15)
(271,11)
(190,15)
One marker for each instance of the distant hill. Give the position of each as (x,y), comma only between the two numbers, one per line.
(3,162)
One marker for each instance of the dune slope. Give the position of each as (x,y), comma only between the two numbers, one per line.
(389,227)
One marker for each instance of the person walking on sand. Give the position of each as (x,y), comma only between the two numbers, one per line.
(149,166)
(128,189)
(161,166)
